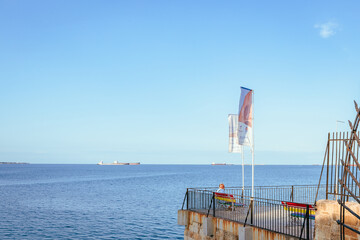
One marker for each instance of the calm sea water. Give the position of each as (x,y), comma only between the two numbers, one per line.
(39,201)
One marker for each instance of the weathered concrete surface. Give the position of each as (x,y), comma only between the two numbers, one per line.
(183,217)
(200,227)
(208,227)
(245,233)
(326,227)
(260,234)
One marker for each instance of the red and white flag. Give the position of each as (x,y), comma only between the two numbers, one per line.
(245,119)
(234,146)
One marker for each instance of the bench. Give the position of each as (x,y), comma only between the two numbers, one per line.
(227,200)
(298,210)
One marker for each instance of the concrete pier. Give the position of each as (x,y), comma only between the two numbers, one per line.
(200,227)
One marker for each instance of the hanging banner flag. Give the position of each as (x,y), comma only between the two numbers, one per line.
(234,146)
(245,118)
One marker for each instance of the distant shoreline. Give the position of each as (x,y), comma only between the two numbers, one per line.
(13,163)
(168,164)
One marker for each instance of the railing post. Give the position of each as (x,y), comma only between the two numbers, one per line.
(292,194)
(307,222)
(252,207)
(213,204)
(194,198)
(187,199)
(327,169)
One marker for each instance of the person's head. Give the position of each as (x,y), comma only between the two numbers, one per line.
(222,186)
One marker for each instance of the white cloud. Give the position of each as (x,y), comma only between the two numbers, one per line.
(327,29)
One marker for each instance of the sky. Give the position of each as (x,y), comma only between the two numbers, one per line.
(153,81)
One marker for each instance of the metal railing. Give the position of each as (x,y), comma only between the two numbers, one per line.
(266,213)
(293,193)
(335,156)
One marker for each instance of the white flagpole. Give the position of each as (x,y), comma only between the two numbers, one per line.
(243,171)
(253,145)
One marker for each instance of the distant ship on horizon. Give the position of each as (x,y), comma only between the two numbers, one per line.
(118,163)
(231,164)
(220,164)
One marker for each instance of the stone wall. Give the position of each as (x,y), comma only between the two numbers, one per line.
(327,213)
(200,227)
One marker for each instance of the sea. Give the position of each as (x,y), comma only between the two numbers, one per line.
(50,201)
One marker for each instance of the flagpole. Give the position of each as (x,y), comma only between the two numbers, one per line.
(243,171)
(253,145)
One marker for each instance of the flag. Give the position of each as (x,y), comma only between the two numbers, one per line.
(234,146)
(245,117)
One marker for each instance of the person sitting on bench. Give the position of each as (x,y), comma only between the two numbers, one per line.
(221,188)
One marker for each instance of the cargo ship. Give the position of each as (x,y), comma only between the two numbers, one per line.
(215,164)
(118,163)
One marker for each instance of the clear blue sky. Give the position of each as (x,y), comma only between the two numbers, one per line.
(154,81)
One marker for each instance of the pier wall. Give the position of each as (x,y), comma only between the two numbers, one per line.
(200,227)
(326,227)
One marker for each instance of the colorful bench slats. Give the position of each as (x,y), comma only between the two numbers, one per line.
(299,210)
(228,199)
(225,197)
